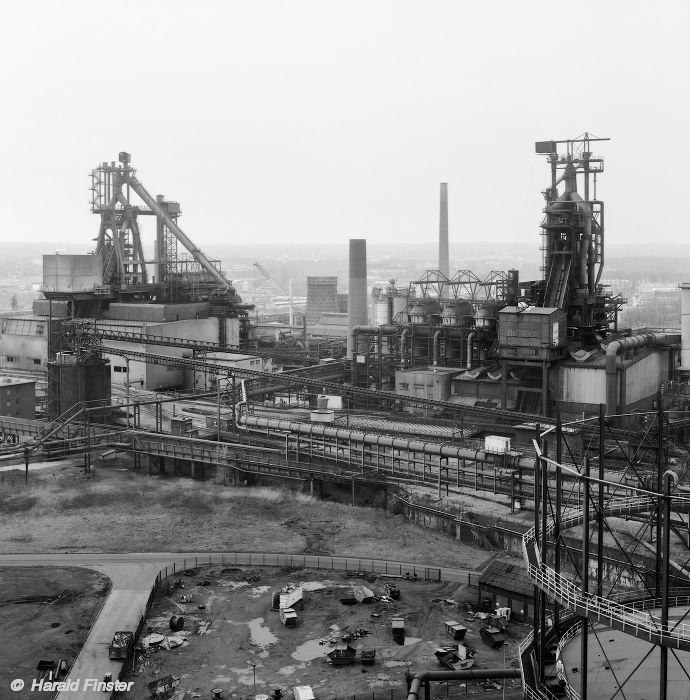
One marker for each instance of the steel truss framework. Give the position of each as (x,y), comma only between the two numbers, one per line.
(573,595)
(464,285)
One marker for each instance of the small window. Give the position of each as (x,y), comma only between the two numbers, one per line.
(9,358)
(37,360)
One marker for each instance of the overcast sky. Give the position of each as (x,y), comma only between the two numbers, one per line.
(323,121)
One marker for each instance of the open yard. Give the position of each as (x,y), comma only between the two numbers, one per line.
(231,631)
(45,613)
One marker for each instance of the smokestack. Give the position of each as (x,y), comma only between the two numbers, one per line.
(357,298)
(443,265)
(684,329)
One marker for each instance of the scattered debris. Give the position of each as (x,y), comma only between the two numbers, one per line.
(176,623)
(398,629)
(342,655)
(152,640)
(492,636)
(455,630)
(368,657)
(121,644)
(162,688)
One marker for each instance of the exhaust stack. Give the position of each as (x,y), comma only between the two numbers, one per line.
(443,264)
(357,295)
(684,329)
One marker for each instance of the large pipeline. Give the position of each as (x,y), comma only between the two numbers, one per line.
(437,336)
(470,338)
(468,674)
(403,338)
(434,449)
(614,362)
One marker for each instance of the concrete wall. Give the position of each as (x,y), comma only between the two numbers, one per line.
(158,312)
(424,384)
(72,273)
(155,377)
(642,379)
(207,382)
(582,385)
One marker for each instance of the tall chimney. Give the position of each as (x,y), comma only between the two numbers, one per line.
(357,298)
(443,265)
(684,329)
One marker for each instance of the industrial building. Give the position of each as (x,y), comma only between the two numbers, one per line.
(179,294)
(542,346)
(494,350)
(17,397)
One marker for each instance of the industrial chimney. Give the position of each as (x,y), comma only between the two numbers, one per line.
(684,329)
(443,232)
(357,301)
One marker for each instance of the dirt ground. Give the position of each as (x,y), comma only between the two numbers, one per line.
(121,510)
(45,613)
(244,630)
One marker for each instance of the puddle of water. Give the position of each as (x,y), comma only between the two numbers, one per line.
(287,670)
(259,635)
(310,650)
(392,664)
(234,585)
(245,675)
(313,585)
(258,591)
(409,641)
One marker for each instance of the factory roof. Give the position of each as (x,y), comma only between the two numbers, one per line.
(14,381)
(532,310)
(508,577)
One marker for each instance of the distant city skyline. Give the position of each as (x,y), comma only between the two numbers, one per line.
(317,122)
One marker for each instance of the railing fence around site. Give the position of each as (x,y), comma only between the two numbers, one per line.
(314,561)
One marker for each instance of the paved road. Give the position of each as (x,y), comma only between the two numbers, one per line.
(134,574)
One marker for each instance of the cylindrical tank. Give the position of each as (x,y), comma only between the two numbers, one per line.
(456,313)
(423,311)
(485,317)
(382,310)
(417,314)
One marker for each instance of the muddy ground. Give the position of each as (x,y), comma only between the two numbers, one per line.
(245,630)
(45,613)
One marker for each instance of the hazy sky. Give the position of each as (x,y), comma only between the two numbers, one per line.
(323,121)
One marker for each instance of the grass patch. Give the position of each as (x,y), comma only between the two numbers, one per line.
(20,503)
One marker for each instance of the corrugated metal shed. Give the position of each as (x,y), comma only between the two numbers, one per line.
(508,577)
